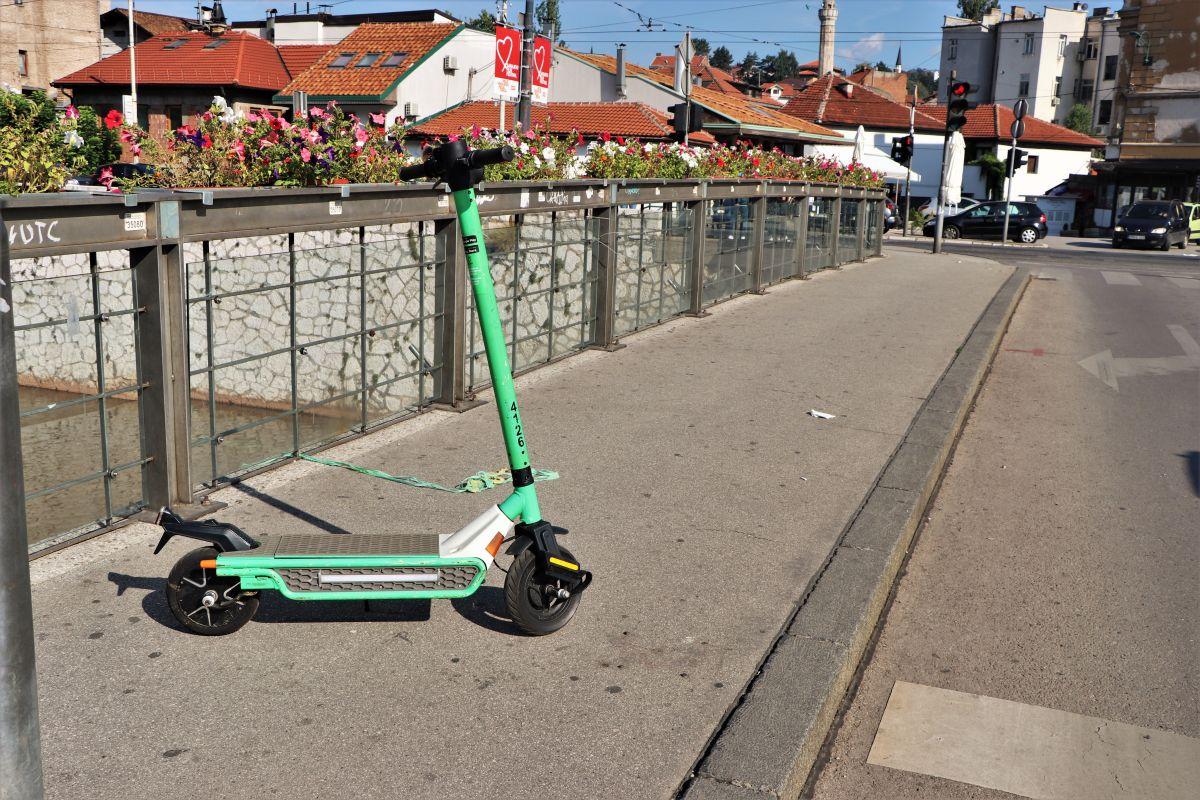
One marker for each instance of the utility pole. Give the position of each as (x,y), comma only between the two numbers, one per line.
(687,84)
(1010,167)
(912,115)
(20,741)
(526,101)
(132,67)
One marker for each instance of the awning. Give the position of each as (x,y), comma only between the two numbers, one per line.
(871,158)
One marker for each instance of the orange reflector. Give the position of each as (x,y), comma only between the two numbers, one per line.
(494,547)
(208,563)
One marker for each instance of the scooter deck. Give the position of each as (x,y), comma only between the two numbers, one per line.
(335,545)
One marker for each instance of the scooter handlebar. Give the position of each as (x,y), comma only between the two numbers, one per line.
(418,171)
(440,162)
(495,155)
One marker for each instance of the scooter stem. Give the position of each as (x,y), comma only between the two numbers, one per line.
(523,501)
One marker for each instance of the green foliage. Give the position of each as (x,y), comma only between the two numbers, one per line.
(922,81)
(993,173)
(783,64)
(35,108)
(484,21)
(100,145)
(975,9)
(38,149)
(549,19)
(700,47)
(721,58)
(1079,119)
(861,66)
(749,64)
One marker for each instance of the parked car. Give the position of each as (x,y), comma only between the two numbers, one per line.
(1193,215)
(1152,223)
(928,209)
(1026,223)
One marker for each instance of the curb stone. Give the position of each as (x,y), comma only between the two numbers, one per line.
(770,742)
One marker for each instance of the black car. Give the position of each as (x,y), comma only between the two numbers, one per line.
(1152,223)
(1026,223)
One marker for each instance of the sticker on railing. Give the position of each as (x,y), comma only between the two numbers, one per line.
(134,221)
(4,309)
(524,198)
(335,208)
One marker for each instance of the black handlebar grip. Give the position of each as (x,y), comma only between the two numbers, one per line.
(496,155)
(416,171)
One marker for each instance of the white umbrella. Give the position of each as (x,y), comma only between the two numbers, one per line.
(860,141)
(954,170)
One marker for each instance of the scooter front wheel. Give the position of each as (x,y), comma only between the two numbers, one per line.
(535,601)
(205,603)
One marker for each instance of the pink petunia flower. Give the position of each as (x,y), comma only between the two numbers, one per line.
(305,155)
(476,130)
(379,119)
(71,112)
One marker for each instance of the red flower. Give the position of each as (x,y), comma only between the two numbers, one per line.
(114,119)
(339,181)
(604,137)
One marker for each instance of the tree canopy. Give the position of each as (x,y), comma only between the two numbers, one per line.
(721,58)
(975,9)
(484,21)
(1079,119)
(700,47)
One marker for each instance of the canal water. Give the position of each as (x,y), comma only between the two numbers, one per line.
(66,442)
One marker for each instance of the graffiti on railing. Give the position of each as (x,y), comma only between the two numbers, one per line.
(38,232)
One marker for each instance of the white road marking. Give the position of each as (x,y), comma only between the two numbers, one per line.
(1185,283)
(1055,274)
(1109,369)
(1120,278)
(1029,750)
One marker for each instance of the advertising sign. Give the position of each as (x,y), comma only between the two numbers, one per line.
(543,51)
(508,64)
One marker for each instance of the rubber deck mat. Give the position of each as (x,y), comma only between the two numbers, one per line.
(327,544)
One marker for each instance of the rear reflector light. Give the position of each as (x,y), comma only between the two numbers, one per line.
(494,546)
(1042,219)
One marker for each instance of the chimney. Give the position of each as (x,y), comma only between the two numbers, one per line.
(1018,12)
(828,16)
(621,92)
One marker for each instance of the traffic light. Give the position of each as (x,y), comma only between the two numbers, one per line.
(683,122)
(956,108)
(1016,159)
(902,149)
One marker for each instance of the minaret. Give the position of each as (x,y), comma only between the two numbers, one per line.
(899,68)
(828,16)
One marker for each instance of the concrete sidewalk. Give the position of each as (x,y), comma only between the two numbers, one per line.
(695,487)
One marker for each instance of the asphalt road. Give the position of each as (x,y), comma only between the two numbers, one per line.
(1059,566)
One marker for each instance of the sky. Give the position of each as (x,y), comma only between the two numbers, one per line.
(867,30)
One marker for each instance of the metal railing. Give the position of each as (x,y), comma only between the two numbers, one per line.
(168,341)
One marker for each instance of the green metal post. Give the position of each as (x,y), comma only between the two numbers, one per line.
(523,501)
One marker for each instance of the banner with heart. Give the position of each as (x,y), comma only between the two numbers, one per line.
(508,64)
(543,52)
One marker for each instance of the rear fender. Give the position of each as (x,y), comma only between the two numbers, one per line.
(222,535)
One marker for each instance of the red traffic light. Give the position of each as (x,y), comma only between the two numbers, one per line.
(960,89)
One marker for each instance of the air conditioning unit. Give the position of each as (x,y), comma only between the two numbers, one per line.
(410,110)
(1053,101)
(1081,55)
(449,63)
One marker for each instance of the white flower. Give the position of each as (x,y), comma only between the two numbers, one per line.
(593,144)
(73,139)
(219,104)
(524,147)
(649,148)
(537,163)
(548,154)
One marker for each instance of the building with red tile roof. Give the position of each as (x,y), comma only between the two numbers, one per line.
(114,28)
(299,57)
(710,77)
(631,120)
(178,75)
(728,117)
(843,102)
(993,123)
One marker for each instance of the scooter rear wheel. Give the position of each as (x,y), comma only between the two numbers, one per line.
(204,603)
(532,598)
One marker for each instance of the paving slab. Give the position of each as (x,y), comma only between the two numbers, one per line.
(694,484)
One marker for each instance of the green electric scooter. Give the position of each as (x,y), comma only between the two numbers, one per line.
(215,590)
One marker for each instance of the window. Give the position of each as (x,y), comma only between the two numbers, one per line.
(341,61)
(23,63)
(1062,46)
(953,50)
(216,43)
(175,45)
(1105,114)
(1110,68)
(1028,43)
(1032,165)
(1023,87)
(1084,93)
(368,60)
(395,59)
(1058,86)
(175,117)
(981,210)
(1091,49)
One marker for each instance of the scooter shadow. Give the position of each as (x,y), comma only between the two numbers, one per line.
(484,608)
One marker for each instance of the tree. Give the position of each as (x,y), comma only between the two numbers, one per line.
(992,169)
(748,64)
(721,58)
(783,64)
(882,67)
(700,47)
(975,9)
(549,19)
(921,81)
(1079,118)
(486,21)
(861,66)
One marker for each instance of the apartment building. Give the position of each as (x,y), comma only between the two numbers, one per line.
(1050,59)
(1100,58)
(48,38)
(304,26)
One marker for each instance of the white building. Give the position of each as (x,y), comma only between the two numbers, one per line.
(1052,60)
(305,26)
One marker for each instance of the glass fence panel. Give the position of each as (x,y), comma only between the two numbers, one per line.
(848,231)
(78,390)
(651,264)
(729,248)
(818,244)
(780,234)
